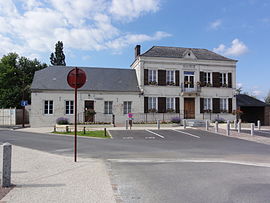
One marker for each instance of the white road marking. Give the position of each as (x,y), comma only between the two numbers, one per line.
(246,163)
(127,138)
(186,133)
(155,134)
(150,138)
(63,150)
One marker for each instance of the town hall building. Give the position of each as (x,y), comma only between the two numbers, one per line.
(162,83)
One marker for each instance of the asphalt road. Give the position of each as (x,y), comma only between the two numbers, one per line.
(169,166)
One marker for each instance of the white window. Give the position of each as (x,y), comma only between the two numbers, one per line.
(170,104)
(152,76)
(223,79)
(48,107)
(170,76)
(208,78)
(223,105)
(207,104)
(69,107)
(152,103)
(108,107)
(127,107)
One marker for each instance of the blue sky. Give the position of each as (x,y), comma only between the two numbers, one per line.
(103,33)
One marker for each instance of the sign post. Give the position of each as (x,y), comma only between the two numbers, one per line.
(23,104)
(76,79)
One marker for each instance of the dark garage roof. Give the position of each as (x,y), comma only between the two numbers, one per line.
(178,52)
(245,100)
(98,79)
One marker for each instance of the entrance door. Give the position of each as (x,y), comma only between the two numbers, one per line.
(189,108)
(88,111)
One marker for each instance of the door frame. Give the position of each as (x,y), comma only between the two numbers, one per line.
(187,113)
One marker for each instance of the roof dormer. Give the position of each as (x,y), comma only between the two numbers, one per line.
(189,54)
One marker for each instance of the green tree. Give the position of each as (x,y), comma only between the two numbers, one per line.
(267,98)
(58,57)
(16,75)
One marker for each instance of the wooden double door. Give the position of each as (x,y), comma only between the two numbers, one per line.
(189,108)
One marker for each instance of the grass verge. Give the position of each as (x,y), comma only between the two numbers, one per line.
(96,133)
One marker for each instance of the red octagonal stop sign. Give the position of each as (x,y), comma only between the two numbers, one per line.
(81,78)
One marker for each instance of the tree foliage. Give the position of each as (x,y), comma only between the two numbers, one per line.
(58,57)
(16,75)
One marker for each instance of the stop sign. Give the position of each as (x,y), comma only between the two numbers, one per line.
(80,79)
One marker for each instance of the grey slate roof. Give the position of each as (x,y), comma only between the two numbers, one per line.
(178,52)
(98,79)
(245,100)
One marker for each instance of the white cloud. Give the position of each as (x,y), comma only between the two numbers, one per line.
(216,24)
(239,85)
(237,48)
(32,27)
(257,93)
(127,10)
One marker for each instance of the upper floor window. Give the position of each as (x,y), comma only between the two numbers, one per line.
(207,104)
(69,107)
(223,105)
(108,107)
(207,78)
(170,104)
(152,104)
(48,107)
(152,76)
(223,79)
(170,77)
(127,107)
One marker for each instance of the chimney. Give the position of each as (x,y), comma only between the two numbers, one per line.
(137,50)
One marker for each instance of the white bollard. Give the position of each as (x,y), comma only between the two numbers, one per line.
(206,125)
(158,124)
(239,127)
(216,127)
(6,173)
(259,125)
(228,128)
(252,129)
(235,124)
(126,124)
(184,124)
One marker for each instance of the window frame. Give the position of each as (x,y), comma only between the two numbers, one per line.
(170,103)
(48,107)
(69,107)
(207,104)
(152,103)
(127,106)
(108,107)
(152,75)
(208,77)
(170,76)
(223,104)
(224,79)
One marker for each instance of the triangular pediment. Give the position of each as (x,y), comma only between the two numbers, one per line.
(189,54)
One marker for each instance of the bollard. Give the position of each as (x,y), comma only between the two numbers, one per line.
(105,132)
(6,173)
(158,124)
(67,129)
(184,124)
(216,127)
(239,126)
(126,124)
(84,130)
(252,129)
(259,124)
(54,128)
(228,128)
(206,125)
(235,124)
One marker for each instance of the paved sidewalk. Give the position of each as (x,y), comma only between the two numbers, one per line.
(43,177)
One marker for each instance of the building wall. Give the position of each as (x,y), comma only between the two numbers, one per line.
(38,118)
(267,115)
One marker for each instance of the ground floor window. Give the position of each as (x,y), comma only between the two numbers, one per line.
(48,107)
(170,104)
(108,107)
(69,107)
(223,105)
(152,104)
(127,107)
(207,104)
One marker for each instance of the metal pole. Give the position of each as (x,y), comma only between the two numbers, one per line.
(228,128)
(235,124)
(126,124)
(158,124)
(216,126)
(75,117)
(84,130)
(105,132)
(206,125)
(239,126)
(23,116)
(6,173)
(259,125)
(184,123)
(252,129)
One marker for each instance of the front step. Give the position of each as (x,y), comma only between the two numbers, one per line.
(195,123)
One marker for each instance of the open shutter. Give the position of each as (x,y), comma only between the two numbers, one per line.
(216,79)
(161,104)
(230,80)
(162,77)
(145,104)
(230,105)
(177,105)
(216,105)
(177,78)
(202,79)
(145,76)
(201,105)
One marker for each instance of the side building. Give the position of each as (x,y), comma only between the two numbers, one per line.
(163,82)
